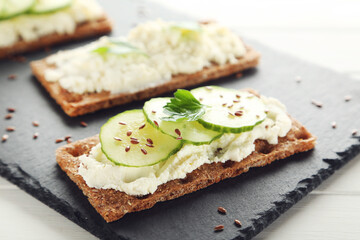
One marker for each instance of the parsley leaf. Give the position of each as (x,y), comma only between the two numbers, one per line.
(183,106)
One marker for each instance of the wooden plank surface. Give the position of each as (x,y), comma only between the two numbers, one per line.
(323,32)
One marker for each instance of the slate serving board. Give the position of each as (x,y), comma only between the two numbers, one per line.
(256,198)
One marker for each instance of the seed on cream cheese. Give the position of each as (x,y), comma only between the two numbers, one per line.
(30,27)
(168,54)
(99,172)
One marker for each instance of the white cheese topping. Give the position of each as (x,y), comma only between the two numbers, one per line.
(169,50)
(30,27)
(99,172)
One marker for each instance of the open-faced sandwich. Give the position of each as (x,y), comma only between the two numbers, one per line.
(154,58)
(175,146)
(29,25)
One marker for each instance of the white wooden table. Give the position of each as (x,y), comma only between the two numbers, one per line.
(326,33)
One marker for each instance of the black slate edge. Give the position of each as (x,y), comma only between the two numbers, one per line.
(303,188)
(14,174)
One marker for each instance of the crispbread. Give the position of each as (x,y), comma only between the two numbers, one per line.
(88,29)
(113,205)
(79,104)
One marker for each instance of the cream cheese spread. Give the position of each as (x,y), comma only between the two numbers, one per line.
(170,50)
(99,172)
(30,27)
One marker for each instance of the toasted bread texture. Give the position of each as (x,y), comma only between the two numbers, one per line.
(113,205)
(84,30)
(79,104)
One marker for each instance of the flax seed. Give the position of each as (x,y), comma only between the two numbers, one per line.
(10,129)
(129,133)
(12,76)
(219,228)
(11,110)
(59,140)
(143,151)
(122,123)
(8,116)
(222,210)
(36,135)
(150,141)
(4,137)
(237,223)
(118,139)
(142,126)
(127,149)
(35,123)
(84,124)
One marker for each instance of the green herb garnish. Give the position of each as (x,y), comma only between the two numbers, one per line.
(120,48)
(188,30)
(183,106)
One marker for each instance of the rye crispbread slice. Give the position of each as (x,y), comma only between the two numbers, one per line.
(79,104)
(113,205)
(88,29)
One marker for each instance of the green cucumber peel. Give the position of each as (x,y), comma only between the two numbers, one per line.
(120,48)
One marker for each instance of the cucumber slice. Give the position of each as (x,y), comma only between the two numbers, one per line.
(129,140)
(189,131)
(12,8)
(230,110)
(46,6)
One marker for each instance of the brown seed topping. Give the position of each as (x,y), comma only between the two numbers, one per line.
(333,124)
(219,228)
(238,113)
(222,210)
(224,104)
(12,76)
(59,140)
(143,151)
(179,138)
(10,129)
(122,123)
(133,141)
(156,123)
(221,96)
(150,141)
(4,137)
(177,131)
(238,96)
(267,126)
(142,126)
(236,101)
(149,145)
(354,132)
(266,111)
(127,149)
(36,135)
(200,99)
(153,111)
(237,223)
(129,133)
(67,137)
(230,106)
(69,140)
(10,109)
(8,116)
(347,98)
(35,123)
(231,114)
(317,103)
(118,139)
(84,124)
